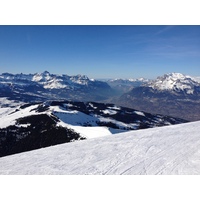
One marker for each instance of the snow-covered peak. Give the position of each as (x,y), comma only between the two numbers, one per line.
(37,77)
(49,81)
(45,76)
(52,81)
(10,77)
(80,79)
(45,73)
(175,82)
(128,80)
(197,79)
(56,81)
(176,75)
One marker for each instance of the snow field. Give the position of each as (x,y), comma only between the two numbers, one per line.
(76,120)
(9,117)
(164,150)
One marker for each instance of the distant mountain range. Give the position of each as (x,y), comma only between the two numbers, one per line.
(173,94)
(45,86)
(25,127)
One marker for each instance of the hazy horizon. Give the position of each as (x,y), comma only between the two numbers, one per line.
(100,78)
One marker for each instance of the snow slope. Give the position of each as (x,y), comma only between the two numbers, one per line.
(164,150)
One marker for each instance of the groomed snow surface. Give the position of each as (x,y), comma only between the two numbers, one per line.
(164,150)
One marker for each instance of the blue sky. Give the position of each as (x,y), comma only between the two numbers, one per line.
(101,51)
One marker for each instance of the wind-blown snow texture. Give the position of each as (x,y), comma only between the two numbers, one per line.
(164,150)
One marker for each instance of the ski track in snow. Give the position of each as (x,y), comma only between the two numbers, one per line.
(164,150)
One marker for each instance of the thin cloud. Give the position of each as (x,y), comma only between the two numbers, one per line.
(163,30)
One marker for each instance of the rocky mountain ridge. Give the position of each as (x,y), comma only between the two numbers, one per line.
(175,82)
(45,86)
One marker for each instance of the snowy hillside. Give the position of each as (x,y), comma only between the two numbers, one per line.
(197,79)
(35,125)
(164,150)
(83,116)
